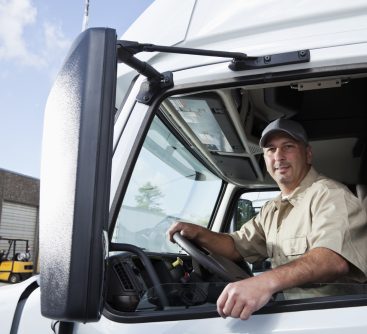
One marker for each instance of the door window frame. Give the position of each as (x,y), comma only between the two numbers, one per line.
(309,304)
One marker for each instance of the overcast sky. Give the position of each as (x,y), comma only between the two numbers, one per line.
(34,38)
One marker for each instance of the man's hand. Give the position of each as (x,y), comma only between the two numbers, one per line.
(241,299)
(218,243)
(187,230)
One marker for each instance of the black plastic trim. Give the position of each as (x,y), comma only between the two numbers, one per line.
(280,59)
(20,306)
(310,304)
(216,206)
(150,88)
(148,266)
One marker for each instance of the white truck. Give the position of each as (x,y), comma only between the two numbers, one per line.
(163,124)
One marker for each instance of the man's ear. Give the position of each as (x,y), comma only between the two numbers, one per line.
(309,154)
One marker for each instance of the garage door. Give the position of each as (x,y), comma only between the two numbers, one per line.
(18,221)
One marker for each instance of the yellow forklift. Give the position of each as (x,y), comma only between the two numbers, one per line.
(15,264)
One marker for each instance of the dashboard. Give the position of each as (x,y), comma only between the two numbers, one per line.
(182,282)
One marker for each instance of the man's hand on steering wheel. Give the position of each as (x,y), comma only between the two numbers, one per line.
(187,235)
(187,230)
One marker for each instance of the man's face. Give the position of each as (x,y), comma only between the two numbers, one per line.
(287,160)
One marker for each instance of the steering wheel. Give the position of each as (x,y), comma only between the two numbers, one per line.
(217,264)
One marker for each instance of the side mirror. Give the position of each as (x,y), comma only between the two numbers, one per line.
(245,211)
(75,179)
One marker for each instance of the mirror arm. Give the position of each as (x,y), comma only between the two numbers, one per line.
(156,81)
(135,47)
(126,56)
(240,61)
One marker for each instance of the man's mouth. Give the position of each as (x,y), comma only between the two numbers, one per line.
(281,168)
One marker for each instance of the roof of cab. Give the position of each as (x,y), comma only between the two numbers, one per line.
(253,27)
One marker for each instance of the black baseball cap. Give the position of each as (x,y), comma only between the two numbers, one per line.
(292,128)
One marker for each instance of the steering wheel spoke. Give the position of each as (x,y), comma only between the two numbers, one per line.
(215,263)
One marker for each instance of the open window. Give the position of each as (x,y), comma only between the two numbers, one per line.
(199,152)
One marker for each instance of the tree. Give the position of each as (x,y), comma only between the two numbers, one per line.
(149,196)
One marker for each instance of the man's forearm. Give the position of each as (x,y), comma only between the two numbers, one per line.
(240,299)
(318,265)
(219,243)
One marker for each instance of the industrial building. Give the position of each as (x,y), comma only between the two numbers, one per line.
(19,207)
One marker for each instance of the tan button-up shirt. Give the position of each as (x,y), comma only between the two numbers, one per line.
(319,213)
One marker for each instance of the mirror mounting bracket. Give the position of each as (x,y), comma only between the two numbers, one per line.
(158,82)
(152,87)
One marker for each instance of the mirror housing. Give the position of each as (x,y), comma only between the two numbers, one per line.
(75,179)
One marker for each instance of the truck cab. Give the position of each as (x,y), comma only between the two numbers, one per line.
(163,124)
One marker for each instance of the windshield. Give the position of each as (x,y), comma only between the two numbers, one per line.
(168,183)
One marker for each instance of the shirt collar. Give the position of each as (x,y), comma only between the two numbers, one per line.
(298,193)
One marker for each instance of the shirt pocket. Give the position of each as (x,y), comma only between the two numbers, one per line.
(294,246)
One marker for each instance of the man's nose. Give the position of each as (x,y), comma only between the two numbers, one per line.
(279,154)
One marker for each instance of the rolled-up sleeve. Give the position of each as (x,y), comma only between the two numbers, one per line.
(339,224)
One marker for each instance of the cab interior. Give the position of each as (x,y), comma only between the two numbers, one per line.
(333,110)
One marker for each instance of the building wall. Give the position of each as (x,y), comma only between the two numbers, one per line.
(18,188)
(22,190)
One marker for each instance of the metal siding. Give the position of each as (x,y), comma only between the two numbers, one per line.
(18,221)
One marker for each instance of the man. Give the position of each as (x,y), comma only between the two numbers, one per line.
(315,231)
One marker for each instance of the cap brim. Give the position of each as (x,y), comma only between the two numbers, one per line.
(264,138)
